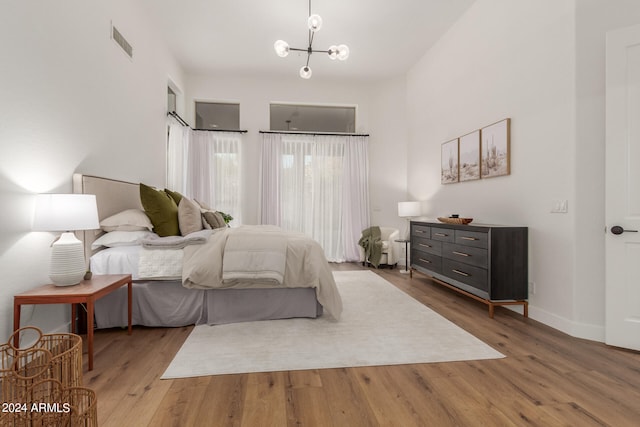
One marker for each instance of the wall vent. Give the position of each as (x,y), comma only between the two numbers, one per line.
(122,42)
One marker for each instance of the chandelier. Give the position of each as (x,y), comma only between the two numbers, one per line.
(314,23)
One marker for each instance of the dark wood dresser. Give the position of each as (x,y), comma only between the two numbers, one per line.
(486,262)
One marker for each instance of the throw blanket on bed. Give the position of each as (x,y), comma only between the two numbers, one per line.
(176,242)
(305,265)
(161,257)
(160,264)
(371,242)
(254,255)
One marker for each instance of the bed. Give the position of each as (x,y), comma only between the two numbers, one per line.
(199,295)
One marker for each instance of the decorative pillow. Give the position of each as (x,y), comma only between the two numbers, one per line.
(120,238)
(175,196)
(127,220)
(203,205)
(214,219)
(189,217)
(161,210)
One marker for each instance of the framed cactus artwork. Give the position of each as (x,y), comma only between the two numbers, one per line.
(469,148)
(449,162)
(495,149)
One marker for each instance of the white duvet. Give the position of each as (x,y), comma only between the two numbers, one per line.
(305,265)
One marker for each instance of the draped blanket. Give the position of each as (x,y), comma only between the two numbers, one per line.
(371,242)
(254,256)
(255,260)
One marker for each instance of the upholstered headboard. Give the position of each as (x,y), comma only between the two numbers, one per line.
(112,196)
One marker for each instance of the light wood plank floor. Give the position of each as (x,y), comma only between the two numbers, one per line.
(547,379)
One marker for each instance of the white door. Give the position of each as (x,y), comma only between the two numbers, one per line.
(623,188)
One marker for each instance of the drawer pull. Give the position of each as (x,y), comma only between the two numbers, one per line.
(460,253)
(425,260)
(468,238)
(441,234)
(462,273)
(424,246)
(419,231)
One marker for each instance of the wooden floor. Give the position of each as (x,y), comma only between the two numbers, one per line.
(547,379)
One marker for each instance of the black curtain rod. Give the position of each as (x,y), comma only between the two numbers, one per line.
(285,132)
(178,118)
(184,123)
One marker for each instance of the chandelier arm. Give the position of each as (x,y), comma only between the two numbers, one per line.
(298,49)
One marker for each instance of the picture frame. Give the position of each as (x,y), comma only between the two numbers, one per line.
(495,156)
(469,155)
(449,162)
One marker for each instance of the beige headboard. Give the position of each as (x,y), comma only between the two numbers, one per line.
(112,196)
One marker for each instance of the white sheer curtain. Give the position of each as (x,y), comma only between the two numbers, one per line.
(318,185)
(205,166)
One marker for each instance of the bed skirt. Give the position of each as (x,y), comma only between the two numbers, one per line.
(169,304)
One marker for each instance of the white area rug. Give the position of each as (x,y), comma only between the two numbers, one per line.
(380,325)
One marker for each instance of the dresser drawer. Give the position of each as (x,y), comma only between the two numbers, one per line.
(472,238)
(468,274)
(421,231)
(426,260)
(466,254)
(442,234)
(427,245)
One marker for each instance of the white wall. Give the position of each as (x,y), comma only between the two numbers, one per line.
(542,64)
(380,112)
(72,102)
(506,59)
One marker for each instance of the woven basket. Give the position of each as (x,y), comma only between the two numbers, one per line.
(50,404)
(51,356)
(21,369)
(462,221)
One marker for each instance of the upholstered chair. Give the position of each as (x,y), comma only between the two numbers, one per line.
(390,252)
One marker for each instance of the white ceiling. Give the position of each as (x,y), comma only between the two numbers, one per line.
(385,37)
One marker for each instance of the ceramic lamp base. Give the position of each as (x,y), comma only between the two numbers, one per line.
(67,261)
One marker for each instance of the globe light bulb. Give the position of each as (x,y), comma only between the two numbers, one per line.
(305,72)
(282,48)
(343,52)
(333,52)
(314,23)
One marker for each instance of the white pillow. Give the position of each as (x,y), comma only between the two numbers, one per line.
(121,238)
(127,220)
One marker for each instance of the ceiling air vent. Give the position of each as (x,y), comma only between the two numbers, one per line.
(122,42)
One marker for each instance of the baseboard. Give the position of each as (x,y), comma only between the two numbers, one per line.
(569,327)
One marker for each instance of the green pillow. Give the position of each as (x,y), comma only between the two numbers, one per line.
(161,209)
(175,196)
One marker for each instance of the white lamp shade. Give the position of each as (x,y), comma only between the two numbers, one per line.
(65,212)
(409,209)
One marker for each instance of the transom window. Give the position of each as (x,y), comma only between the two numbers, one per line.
(312,118)
(217,115)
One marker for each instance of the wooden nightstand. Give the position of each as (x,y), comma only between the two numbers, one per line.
(85,292)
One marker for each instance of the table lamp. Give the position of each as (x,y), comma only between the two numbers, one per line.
(409,210)
(66,213)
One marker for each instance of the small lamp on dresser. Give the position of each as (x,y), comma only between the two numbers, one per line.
(66,213)
(408,210)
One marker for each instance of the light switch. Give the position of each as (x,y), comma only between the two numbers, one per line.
(560,206)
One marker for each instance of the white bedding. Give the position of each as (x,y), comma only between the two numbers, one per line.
(118,260)
(141,263)
(201,266)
